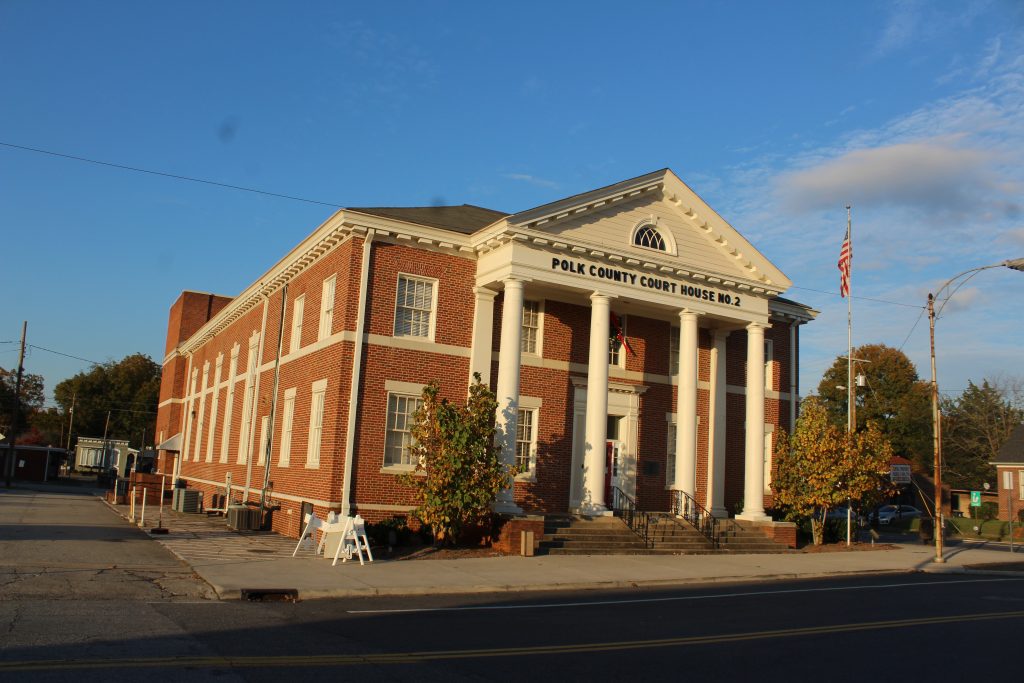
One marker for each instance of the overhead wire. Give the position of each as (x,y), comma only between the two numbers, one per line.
(175,176)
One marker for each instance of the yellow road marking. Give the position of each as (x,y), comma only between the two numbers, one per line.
(238,662)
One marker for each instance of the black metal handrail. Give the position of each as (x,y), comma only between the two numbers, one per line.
(638,521)
(685,506)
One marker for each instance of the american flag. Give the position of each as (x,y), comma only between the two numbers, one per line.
(845,256)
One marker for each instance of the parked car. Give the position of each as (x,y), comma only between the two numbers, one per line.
(839,515)
(887,513)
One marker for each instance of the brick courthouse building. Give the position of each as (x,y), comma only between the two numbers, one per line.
(634,339)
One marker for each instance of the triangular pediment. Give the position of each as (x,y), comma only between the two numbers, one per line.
(697,239)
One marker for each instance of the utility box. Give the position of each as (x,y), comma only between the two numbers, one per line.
(243,518)
(187,500)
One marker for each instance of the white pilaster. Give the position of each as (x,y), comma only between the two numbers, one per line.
(595,448)
(686,405)
(509,359)
(716,427)
(753,480)
(483,334)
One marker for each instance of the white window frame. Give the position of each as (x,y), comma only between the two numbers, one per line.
(261,457)
(284,458)
(769,455)
(530,405)
(316,424)
(327,308)
(201,426)
(298,311)
(249,401)
(399,307)
(225,440)
(617,356)
(674,336)
(1020,484)
(214,406)
(1008,479)
(532,332)
(769,364)
(410,403)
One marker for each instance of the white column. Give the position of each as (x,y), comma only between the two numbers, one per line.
(753,480)
(483,334)
(595,448)
(509,358)
(686,405)
(716,428)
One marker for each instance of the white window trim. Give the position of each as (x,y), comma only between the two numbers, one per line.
(435,295)
(201,426)
(769,364)
(327,307)
(298,313)
(533,405)
(539,350)
(1020,484)
(666,235)
(229,405)
(315,440)
(284,458)
(261,457)
(418,395)
(673,353)
(769,455)
(249,399)
(214,406)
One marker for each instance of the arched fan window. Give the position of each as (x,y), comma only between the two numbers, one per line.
(648,236)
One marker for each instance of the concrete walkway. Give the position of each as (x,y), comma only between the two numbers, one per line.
(235,561)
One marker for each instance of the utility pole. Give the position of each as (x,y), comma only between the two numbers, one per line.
(71,423)
(9,469)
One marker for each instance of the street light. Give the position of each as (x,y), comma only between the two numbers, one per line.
(1013,264)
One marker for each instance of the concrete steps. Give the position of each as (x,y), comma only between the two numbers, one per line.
(582,535)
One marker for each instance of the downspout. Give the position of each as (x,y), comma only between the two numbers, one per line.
(273,400)
(253,408)
(357,368)
(794,390)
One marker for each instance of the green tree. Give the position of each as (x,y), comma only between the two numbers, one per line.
(893,397)
(31,400)
(821,466)
(127,389)
(974,427)
(459,471)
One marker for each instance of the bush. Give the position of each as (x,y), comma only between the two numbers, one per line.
(987,511)
(378,532)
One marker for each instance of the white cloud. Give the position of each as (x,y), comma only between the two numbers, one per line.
(531,179)
(923,174)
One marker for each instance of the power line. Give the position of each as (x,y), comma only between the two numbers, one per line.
(175,176)
(67,355)
(859,298)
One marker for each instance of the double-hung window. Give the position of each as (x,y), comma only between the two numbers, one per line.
(398,437)
(298,309)
(316,424)
(673,350)
(670,460)
(526,442)
(414,307)
(531,327)
(327,308)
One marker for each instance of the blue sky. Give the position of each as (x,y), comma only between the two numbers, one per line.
(777,114)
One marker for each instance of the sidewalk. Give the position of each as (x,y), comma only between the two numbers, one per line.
(235,561)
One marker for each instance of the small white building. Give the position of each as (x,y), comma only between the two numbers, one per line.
(99,455)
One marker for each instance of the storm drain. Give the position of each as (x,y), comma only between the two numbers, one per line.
(270,594)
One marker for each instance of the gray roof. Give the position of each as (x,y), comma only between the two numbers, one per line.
(1012,451)
(465,219)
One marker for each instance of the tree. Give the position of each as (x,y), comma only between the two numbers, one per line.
(821,466)
(31,399)
(128,389)
(894,398)
(974,427)
(459,471)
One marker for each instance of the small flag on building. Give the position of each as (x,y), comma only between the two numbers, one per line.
(845,257)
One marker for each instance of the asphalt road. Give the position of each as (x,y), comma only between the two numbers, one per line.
(92,624)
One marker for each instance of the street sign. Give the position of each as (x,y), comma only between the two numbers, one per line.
(900,473)
(975,499)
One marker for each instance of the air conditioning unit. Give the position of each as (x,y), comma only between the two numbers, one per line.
(243,518)
(187,500)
